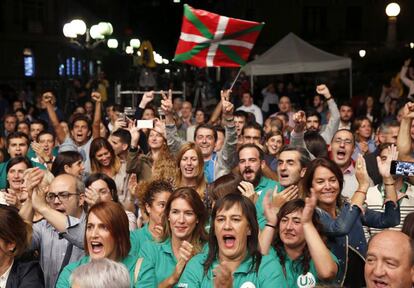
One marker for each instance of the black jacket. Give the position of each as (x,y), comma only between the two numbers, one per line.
(25,275)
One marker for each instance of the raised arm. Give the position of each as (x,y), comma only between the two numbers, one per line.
(403,75)
(387,179)
(174,141)
(320,254)
(334,119)
(54,217)
(404,135)
(49,100)
(216,113)
(146,98)
(228,152)
(97,116)
(32,180)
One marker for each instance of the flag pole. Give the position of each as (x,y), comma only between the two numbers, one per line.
(235,79)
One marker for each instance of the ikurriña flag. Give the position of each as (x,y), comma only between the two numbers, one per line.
(209,39)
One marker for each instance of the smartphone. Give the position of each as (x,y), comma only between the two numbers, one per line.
(402,168)
(145,124)
(122,116)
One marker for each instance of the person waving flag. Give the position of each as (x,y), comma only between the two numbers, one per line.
(212,40)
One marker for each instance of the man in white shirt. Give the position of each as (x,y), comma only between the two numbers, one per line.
(248,106)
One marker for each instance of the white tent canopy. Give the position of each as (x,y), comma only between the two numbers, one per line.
(294,55)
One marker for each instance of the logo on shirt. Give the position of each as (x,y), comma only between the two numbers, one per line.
(248,285)
(306,281)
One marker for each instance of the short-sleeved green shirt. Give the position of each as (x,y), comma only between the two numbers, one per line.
(138,238)
(294,272)
(130,262)
(270,274)
(265,185)
(161,256)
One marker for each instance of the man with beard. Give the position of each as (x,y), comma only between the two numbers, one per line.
(313,118)
(346,113)
(290,170)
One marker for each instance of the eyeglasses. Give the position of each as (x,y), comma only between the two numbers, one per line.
(62,196)
(340,141)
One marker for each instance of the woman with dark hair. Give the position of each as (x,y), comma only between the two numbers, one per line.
(299,246)
(315,144)
(153,202)
(100,187)
(69,162)
(183,237)
(15,237)
(107,236)
(342,221)
(13,194)
(103,160)
(233,257)
(363,137)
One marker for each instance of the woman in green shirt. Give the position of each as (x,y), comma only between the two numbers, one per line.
(107,236)
(183,237)
(152,202)
(299,248)
(233,258)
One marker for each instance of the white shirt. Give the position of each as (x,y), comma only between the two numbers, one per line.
(5,276)
(375,201)
(255,110)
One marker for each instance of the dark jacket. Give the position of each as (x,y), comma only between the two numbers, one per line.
(346,230)
(25,274)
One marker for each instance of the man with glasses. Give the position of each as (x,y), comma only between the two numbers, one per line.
(59,236)
(341,148)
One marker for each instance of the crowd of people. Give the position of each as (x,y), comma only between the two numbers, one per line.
(239,197)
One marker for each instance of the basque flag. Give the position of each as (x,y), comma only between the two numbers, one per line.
(209,39)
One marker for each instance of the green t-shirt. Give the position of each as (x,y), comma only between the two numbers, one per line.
(161,257)
(294,272)
(269,274)
(138,238)
(146,272)
(265,185)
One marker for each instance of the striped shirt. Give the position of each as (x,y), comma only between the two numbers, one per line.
(375,201)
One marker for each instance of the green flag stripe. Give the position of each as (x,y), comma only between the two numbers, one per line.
(197,23)
(243,32)
(232,55)
(191,53)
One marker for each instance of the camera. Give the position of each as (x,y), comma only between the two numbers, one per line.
(402,168)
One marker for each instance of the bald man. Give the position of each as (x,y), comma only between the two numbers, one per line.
(390,260)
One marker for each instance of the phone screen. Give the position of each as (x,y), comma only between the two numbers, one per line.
(402,168)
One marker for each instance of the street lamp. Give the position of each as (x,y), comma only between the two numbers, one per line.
(392,10)
(362,53)
(77,27)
